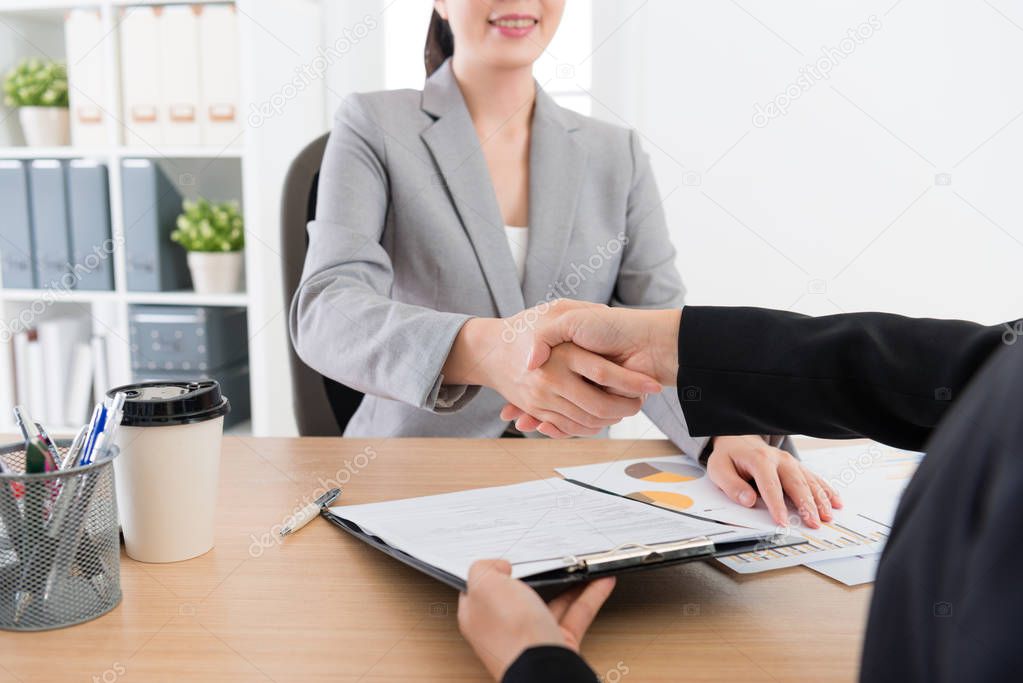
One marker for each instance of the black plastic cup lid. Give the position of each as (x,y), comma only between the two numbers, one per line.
(155,404)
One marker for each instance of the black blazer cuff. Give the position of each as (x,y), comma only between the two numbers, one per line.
(549,663)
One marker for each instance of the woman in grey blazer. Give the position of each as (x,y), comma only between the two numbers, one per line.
(415,281)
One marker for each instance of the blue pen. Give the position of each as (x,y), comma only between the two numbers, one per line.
(94,433)
(80,459)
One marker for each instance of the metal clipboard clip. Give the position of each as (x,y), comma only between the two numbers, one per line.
(633,554)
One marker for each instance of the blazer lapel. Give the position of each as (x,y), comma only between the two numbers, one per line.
(556,165)
(455,147)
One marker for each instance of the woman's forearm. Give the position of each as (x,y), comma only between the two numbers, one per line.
(467,362)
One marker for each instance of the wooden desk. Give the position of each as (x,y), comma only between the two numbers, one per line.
(321,606)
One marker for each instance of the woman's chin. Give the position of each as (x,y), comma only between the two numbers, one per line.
(518,57)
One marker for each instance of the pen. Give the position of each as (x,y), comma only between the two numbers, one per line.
(25,423)
(51,449)
(95,429)
(306,514)
(113,421)
(35,463)
(71,457)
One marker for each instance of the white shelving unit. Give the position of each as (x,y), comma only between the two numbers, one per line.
(274,40)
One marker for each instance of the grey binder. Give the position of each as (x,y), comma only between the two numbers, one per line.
(91,245)
(151,207)
(51,233)
(15,226)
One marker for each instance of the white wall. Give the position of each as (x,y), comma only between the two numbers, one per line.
(839,204)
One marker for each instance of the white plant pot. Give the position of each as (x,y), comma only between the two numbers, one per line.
(45,126)
(216,272)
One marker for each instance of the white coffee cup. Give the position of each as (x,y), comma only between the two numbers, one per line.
(168,470)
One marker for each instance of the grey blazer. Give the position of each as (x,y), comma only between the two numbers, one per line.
(408,243)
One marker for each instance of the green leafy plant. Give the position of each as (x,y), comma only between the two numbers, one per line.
(36,82)
(208,226)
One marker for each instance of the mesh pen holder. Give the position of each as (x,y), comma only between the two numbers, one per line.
(59,543)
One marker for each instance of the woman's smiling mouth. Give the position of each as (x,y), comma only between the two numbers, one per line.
(513,25)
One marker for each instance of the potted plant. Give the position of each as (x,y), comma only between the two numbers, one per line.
(38,88)
(214,235)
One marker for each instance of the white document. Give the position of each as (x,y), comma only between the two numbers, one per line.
(870,478)
(140,79)
(220,115)
(179,75)
(83,39)
(679,483)
(537,526)
(852,571)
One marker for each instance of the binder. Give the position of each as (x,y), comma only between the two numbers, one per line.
(220,115)
(89,208)
(140,76)
(51,232)
(151,207)
(621,558)
(16,227)
(179,74)
(83,38)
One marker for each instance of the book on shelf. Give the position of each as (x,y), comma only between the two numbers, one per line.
(100,368)
(57,371)
(22,385)
(8,384)
(16,227)
(140,81)
(89,214)
(180,75)
(219,53)
(79,387)
(151,205)
(31,389)
(83,39)
(51,234)
(59,337)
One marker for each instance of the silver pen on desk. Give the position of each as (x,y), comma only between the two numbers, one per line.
(310,511)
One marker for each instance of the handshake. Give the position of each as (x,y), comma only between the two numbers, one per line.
(569,368)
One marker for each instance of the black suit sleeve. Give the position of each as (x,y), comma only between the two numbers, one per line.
(886,377)
(549,664)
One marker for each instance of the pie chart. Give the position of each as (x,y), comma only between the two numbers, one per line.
(664,472)
(664,499)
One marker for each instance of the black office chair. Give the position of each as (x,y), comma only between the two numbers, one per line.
(322,406)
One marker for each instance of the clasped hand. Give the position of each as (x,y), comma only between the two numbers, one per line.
(573,392)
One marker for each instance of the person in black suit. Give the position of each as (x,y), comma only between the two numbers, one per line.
(947,597)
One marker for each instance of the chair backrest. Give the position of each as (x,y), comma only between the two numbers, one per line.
(322,406)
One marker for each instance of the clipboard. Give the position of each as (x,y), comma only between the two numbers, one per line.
(611,562)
